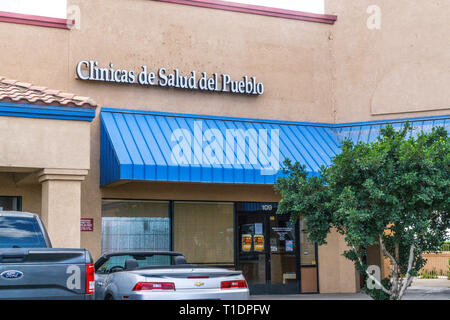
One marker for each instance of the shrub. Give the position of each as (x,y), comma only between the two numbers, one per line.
(448,272)
(377,294)
(425,274)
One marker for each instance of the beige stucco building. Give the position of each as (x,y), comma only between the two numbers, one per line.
(323,77)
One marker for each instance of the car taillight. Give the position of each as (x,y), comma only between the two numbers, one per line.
(236,284)
(144,286)
(90,279)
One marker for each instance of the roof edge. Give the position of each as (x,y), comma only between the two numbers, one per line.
(315,124)
(258,10)
(34,20)
(21,110)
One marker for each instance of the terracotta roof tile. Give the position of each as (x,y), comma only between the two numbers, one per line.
(23,92)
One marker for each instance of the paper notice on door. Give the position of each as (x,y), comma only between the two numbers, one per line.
(273,245)
(289,245)
(246,242)
(258,228)
(259,242)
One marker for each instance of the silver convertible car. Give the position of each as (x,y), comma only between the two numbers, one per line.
(155,275)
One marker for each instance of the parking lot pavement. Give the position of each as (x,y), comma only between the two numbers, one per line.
(322,296)
(421,289)
(429,289)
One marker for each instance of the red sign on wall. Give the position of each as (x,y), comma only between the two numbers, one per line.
(87,224)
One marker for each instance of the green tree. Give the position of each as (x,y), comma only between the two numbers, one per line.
(394,192)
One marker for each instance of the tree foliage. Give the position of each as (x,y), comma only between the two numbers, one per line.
(394,192)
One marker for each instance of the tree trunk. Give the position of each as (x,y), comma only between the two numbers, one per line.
(409,277)
(399,284)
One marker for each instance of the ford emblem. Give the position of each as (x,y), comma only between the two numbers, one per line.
(11,274)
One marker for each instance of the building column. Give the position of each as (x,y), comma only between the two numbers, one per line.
(61,205)
(337,274)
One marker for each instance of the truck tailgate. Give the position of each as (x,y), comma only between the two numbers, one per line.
(43,273)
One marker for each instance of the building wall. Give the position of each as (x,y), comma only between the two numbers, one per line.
(336,273)
(44,143)
(399,70)
(289,56)
(438,262)
(45,65)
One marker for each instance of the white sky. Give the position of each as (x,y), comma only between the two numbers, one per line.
(46,8)
(57,8)
(315,6)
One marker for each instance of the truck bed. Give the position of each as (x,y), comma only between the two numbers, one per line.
(45,273)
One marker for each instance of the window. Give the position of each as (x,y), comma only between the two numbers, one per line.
(45,8)
(203,232)
(17,232)
(11,203)
(135,225)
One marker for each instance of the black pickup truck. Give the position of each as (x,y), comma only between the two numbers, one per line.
(31,269)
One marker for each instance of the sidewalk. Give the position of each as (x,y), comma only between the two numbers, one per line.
(421,289)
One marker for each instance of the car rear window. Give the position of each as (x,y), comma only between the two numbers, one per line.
(20,232)
(117,263)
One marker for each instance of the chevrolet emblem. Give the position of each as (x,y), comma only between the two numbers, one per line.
(199,284)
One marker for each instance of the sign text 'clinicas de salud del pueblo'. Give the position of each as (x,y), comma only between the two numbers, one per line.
(90,70)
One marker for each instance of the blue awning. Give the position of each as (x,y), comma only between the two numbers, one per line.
(151,146)
(154,146)
(369,131)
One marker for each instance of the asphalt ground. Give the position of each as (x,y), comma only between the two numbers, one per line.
(420,289)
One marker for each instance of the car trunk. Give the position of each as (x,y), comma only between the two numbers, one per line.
(191,278)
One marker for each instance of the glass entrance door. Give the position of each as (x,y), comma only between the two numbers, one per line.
(283,257)
(253,251)
(267,252)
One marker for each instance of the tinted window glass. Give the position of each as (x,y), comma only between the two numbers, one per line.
(20,232)
(10,203)
(135,225)
(203,232)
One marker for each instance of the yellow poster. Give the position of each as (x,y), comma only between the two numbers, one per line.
(246,242)
(259,242)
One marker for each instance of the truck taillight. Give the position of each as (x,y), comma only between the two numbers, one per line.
(90,279)
(236,284)
(146,286)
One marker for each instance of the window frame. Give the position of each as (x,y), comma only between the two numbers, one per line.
(171,214)
(130,200)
